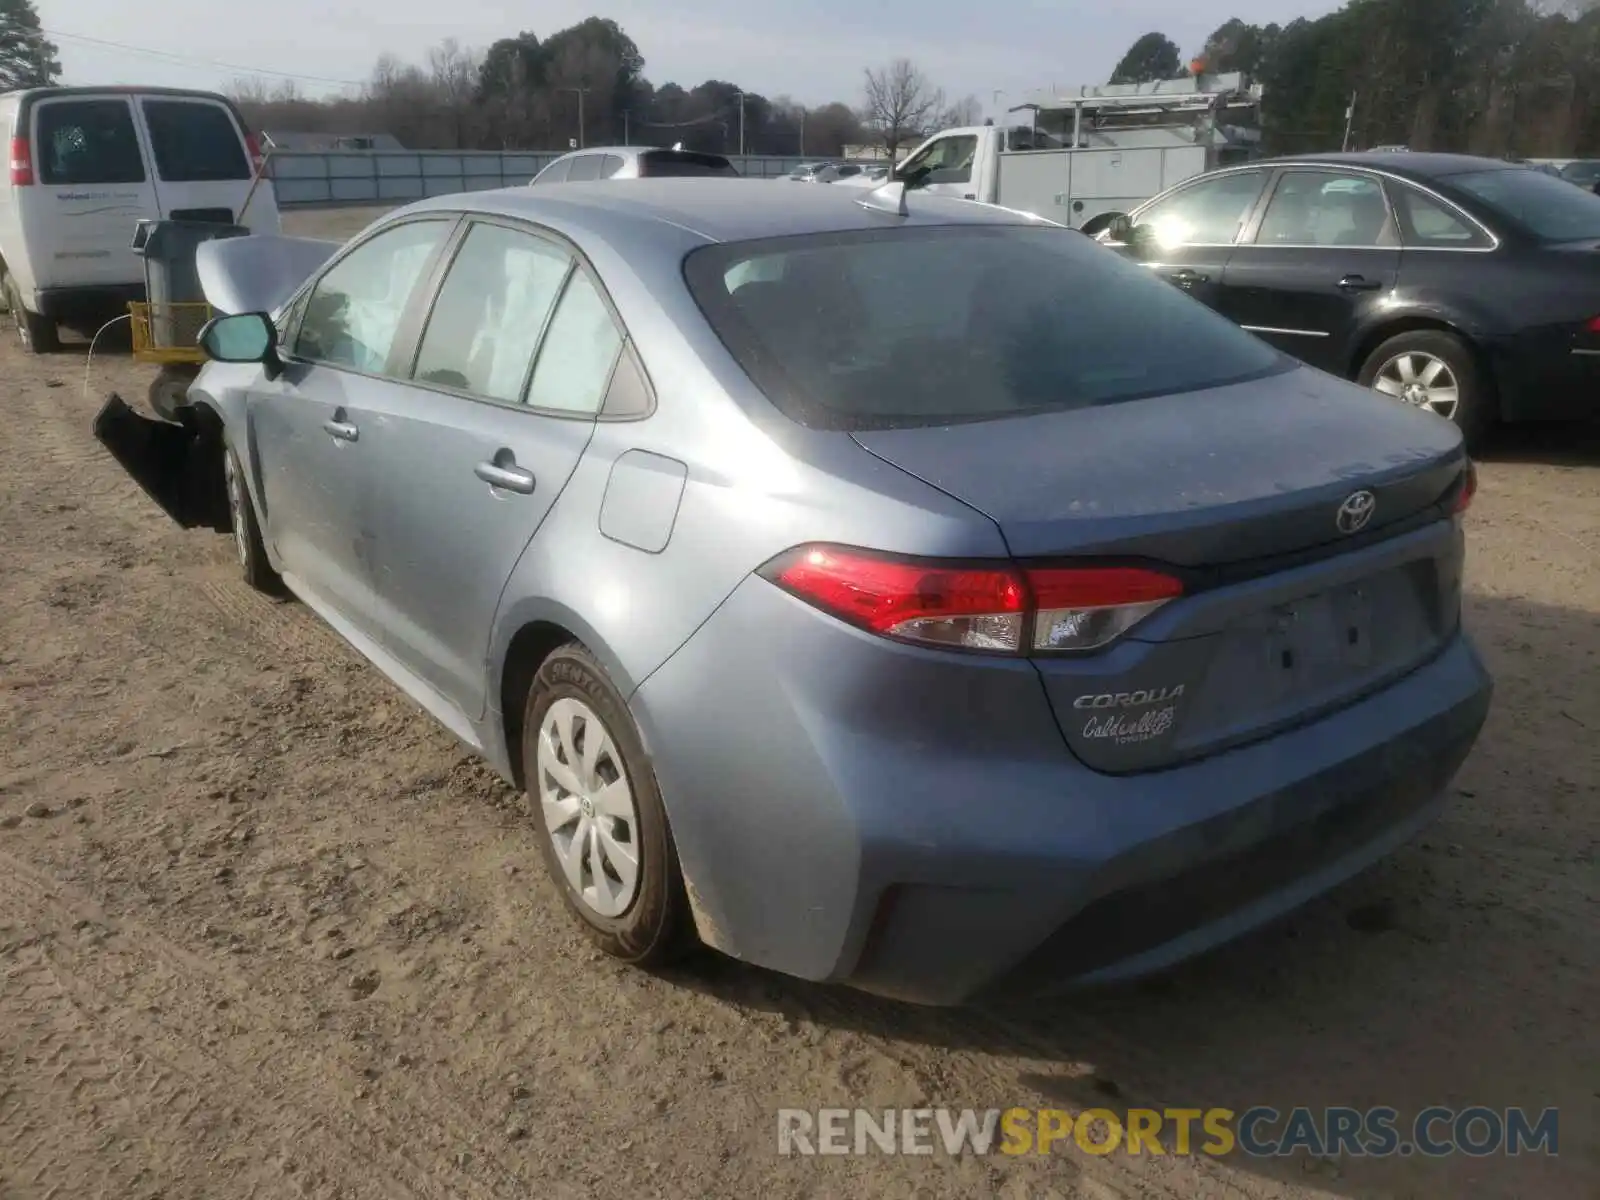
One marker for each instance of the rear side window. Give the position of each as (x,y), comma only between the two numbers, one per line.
(609,166)
(660,164)
(585,166)
(491,312)
(578,354)
(84,142)
(928,326)
(195,142)
(556,172)
(1426,222)
(1551,209)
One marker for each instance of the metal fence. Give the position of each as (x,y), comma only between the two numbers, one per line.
(320,178)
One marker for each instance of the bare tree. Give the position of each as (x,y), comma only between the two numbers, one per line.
(453,72)
(901,104)
(966,111)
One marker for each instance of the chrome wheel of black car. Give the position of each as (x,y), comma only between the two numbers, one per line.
(1422,380)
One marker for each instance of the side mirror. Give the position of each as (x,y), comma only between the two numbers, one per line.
(1108,227)
(243,338)
(240,338)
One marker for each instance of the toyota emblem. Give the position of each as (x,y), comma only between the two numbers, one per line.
(1355,512)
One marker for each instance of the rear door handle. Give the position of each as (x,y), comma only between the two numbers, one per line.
(342,430)
(1359,283)
(1188,278)
(508,476)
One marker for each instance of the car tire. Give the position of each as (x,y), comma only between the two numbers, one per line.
(37,334)
(248,547)
(168,393)
(590,820)
(1419,366)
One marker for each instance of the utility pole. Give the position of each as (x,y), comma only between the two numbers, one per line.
(582,92)
(802,131)
(741,124)
(625,115)
(1349,117)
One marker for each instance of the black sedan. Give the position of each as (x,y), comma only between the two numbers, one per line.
(1467,286)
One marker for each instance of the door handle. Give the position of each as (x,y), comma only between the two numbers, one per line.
(342,430)
(1359,283)
(969,195)
(508,476)
(1188,278)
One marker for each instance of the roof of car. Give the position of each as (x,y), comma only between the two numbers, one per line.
(721,210)
(1415,163)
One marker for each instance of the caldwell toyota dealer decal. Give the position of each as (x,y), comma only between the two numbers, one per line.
(1126,729)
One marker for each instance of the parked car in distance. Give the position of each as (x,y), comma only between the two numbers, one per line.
(1466,286)
(1585,172)
(634,162)
(805,171)
(834,606)
(868,177)
(87,164)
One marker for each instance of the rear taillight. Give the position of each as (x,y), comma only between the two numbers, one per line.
(21,162)
(1466,489)
(1592,325)
(253,144)
(998,608)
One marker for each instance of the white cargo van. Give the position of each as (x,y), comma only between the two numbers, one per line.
(88,163)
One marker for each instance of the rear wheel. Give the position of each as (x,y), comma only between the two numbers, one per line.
(601,824)
(37,334)
(1436,371)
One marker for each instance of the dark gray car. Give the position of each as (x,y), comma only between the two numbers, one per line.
(924,599)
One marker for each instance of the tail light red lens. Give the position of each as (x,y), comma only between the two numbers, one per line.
(21,162)
(1466,489)
(252,143)
(1001,609)
(1593,325)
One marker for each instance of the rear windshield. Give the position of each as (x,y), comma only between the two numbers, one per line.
(195,142)
(86,142)
(662,163)
(886,329)
(1551,209)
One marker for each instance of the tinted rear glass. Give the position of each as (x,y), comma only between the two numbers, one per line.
(928,326)
(87,142)
(663,163)
(195,142)
(1551,209)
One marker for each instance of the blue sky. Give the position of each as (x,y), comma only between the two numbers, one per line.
(814,52)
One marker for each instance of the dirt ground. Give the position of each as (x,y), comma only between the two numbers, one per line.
(266,931)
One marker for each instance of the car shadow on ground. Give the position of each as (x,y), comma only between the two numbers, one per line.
(1556,443)
(1456,972)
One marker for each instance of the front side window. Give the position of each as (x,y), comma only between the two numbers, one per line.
(929,326)
(490,312)
(87,142)
(1208,213)
(1326,208)
(949,160)
(355,309)
(194,142)
(1550,209)
(579,352)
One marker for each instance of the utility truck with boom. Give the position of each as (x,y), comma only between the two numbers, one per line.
(1093,150)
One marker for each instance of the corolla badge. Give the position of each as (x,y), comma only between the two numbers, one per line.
(1355,512)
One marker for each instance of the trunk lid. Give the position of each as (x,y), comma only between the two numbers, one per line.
(1285,616)
(1249,471)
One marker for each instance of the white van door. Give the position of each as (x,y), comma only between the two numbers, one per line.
(91,188)
(203,163)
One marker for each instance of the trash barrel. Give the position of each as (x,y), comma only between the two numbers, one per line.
(172,284)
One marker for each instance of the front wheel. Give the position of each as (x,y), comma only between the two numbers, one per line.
(247,543)
(601,825)
(1436,371)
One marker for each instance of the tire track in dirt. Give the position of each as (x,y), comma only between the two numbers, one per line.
(401,1122)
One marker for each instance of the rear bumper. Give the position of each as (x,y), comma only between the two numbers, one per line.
(853,810)
(1542,377)
(83,303)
